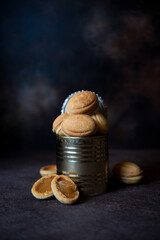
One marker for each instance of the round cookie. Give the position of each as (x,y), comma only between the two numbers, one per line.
(85,102)
(50,169)
(41,189)
(128,172)
(64,189)
(127,169)
(101,122)
(79,125)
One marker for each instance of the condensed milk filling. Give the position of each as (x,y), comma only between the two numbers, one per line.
(67,188)
(45,185)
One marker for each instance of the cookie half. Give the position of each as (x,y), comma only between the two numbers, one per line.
(64,189)
(127,169)
(101,122)
(56,127)
(50,169)
(41,189)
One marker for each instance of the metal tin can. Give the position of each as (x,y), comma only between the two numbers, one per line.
(85,161)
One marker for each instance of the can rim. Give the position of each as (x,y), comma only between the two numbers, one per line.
(83,138)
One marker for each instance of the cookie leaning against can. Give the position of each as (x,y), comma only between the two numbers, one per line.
(79,125)
(85,102)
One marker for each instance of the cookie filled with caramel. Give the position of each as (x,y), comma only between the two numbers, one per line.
(41,189)
(64,189)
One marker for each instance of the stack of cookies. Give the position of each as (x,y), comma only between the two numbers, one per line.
(82,117)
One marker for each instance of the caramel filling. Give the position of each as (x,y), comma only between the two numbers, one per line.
(66,188)
(45,185)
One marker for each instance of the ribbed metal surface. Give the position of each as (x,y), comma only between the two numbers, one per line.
(85,160)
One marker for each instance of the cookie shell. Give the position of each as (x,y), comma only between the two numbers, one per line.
(57,122)
(79,125)
(102,108)
(60,195)
(41,189)
(60,132)
(49,169)
(130,180)
(82,103)
(89,110)
(101,122)
(127,169)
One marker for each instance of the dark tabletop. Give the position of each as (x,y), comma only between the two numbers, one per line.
(124,212)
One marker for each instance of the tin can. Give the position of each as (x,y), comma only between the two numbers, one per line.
(85,161)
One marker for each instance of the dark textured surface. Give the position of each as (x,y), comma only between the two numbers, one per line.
(125,212)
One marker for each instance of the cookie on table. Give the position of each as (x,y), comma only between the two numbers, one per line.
(128,172)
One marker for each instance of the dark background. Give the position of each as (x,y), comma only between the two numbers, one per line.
(50,49)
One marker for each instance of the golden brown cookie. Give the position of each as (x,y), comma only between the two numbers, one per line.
(57,123)
(101,122)
(84,102)
(64,189)
(41,189)
(79,125)
(128,172)
(50,169)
